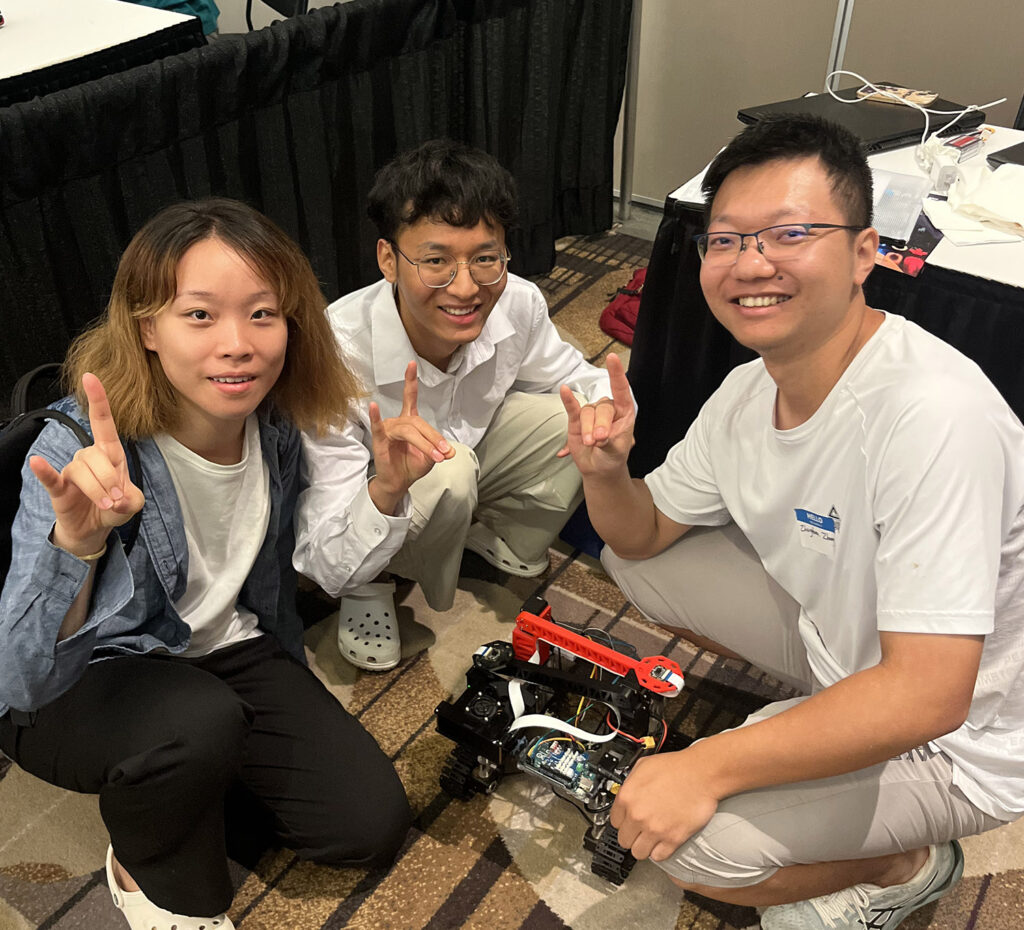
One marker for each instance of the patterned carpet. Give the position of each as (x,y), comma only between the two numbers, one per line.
(512,860)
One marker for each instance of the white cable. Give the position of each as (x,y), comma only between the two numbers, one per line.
(898,99)
(515,687)
(515,695)
(553,723)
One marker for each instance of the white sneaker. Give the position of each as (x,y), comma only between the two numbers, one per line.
(143,914)
(368,634)
(868,907)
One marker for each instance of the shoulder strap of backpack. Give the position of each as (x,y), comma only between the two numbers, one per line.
(129,531)
(23,386)
(42,414)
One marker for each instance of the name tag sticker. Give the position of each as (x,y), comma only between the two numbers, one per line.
(817,533)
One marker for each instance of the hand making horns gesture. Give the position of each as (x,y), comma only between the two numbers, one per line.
(601,434)
(93,493)
(405,447)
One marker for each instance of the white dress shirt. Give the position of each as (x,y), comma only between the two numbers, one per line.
(342,540)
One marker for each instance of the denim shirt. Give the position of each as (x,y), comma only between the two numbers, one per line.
(132,608)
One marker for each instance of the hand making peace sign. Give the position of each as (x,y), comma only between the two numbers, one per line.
(93,493)
(405,447)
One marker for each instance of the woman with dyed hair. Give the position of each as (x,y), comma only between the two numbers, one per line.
(171,679)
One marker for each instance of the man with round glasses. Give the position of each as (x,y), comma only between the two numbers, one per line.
(847,513)
(458,448)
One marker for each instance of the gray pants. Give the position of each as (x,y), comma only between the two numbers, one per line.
(712,583)
(512,482)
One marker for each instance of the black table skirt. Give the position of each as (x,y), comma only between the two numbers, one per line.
(681,353)
(295,119)
(168,41)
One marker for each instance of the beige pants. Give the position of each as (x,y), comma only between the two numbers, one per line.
(512,482)
(711,582)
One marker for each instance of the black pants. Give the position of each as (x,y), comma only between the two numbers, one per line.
(168,743)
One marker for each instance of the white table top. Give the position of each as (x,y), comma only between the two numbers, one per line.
(998,262)
(41,33)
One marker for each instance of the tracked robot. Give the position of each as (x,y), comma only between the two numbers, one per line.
(574,708)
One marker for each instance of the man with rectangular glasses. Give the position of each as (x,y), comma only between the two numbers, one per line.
(458,448)
(847,513)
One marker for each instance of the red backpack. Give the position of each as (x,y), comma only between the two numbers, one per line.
(618,319)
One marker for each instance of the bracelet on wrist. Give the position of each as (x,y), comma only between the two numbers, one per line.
(96,556)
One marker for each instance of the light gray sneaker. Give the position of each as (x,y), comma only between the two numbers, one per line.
(868,907)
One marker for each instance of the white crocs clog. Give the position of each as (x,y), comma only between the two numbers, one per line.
(143,914)
(492,548)
(368,627)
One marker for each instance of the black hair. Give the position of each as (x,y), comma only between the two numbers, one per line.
(793,136)
(444,181)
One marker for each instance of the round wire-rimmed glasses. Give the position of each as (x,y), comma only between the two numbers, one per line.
(775,243)
(485,268)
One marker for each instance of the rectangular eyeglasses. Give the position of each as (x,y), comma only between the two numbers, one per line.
(775,243)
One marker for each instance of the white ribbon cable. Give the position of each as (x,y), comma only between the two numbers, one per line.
(515,688)
(515,697)
(676,681)
(553,723)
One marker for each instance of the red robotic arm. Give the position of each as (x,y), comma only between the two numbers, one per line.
(534,632)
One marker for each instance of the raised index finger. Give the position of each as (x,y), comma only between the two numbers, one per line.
(101,421)
(410,391)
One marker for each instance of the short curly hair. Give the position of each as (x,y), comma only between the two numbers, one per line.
(445,181)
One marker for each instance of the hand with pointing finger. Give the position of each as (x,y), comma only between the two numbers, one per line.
(93,493)
(405,447)
(600,434)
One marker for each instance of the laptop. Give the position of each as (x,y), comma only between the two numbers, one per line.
(881,126)
(1014,155)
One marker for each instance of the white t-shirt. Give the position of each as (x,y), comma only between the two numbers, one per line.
(898,506)
(226,509)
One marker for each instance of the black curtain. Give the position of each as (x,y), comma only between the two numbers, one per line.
(680,351)
(295,119)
